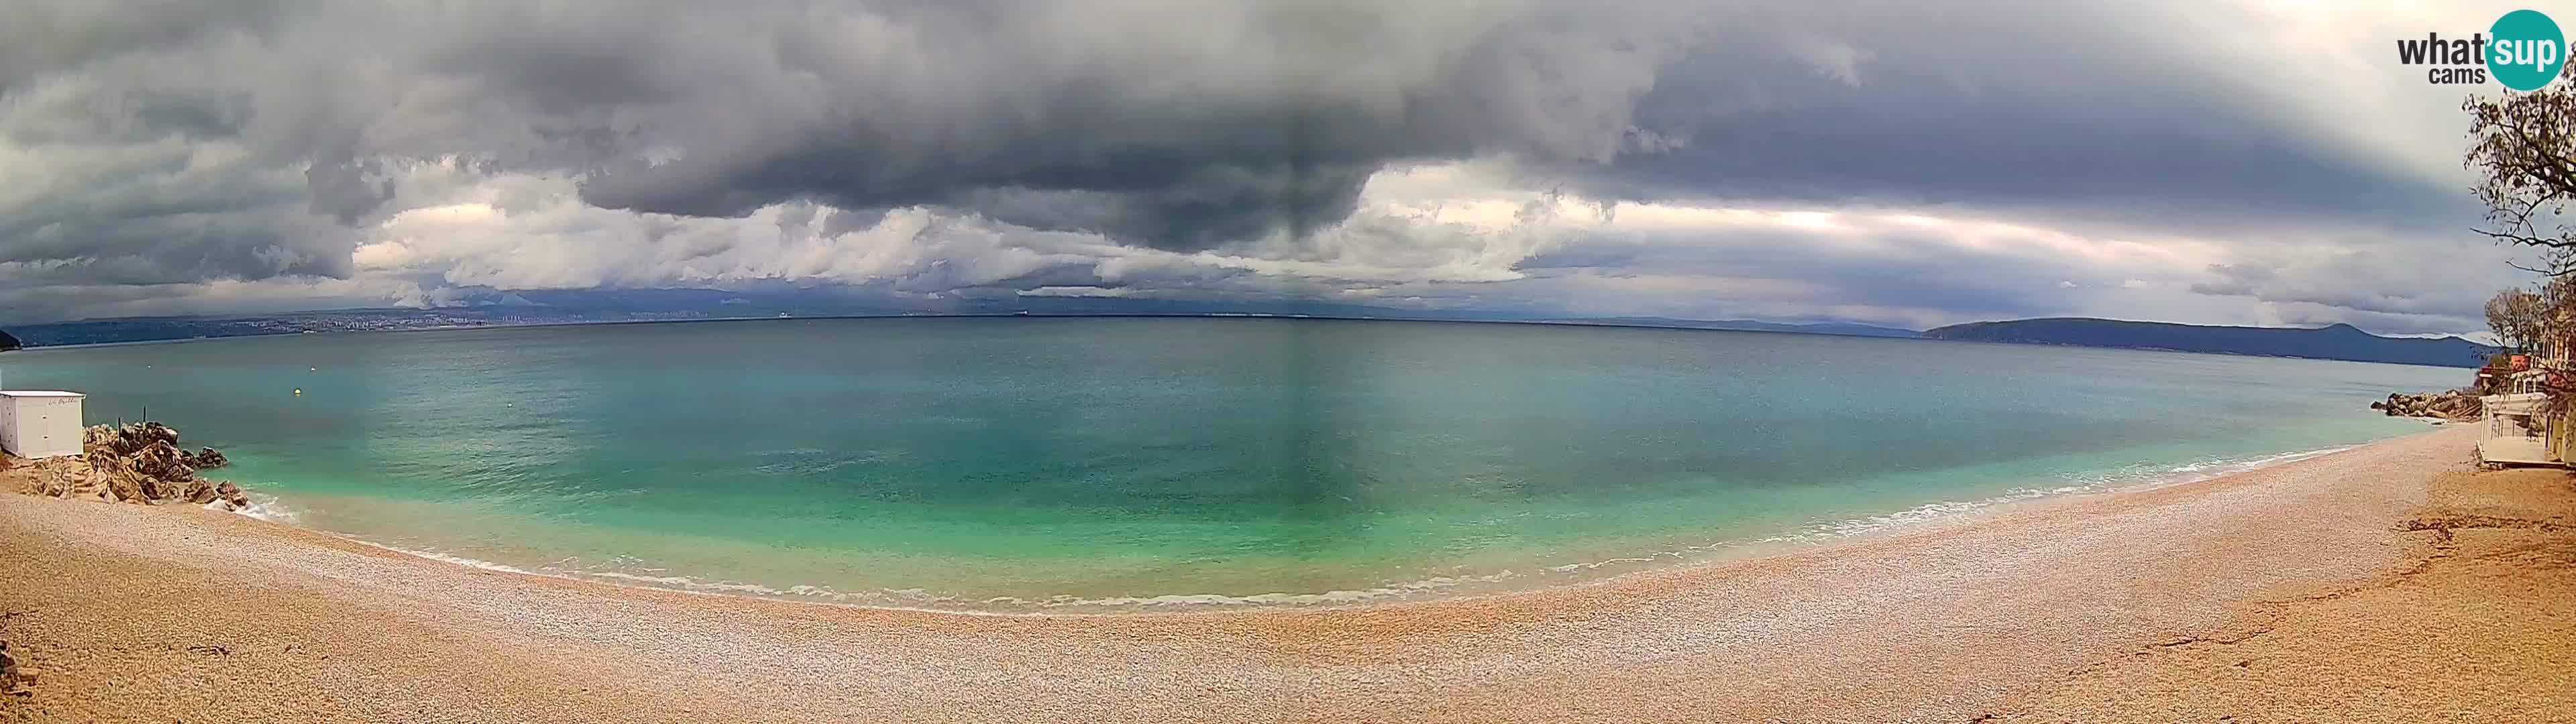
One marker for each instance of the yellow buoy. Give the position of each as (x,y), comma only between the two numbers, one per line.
(299,391)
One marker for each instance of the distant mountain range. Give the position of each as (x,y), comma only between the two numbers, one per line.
(591,306)
(1745,325)
(641,305)
(2339,341)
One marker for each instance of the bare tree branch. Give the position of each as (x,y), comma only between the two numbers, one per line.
(2524,149)
(2527,240)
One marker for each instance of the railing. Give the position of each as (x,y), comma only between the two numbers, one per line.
(2528,382)
(2514,428)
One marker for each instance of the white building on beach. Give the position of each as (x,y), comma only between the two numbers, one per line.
(36,424)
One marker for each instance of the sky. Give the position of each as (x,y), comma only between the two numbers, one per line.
(1902,164)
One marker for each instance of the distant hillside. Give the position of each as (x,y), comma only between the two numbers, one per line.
(499,308)
(7,342)
(1747,325)
(2341,341)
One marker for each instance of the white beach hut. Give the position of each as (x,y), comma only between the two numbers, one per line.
(37,424)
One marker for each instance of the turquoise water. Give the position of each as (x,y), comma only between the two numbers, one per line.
(1015,464)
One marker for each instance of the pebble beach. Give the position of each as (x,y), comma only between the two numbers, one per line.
(2208,597)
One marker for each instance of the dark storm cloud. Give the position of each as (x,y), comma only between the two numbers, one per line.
(1926,146)
(182,247)
(48,36)
(1190,129)
(1172,125)
(1150,199)
(1901,269)
(2402,279)
(347,189)
(145,142)
(1215,125)
(2134,110)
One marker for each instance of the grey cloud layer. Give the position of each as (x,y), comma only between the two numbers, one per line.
(1183,125)
(148,143)
(1179,125)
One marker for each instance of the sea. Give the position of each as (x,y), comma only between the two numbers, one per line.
(1103,465)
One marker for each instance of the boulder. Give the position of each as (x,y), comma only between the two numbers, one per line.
(207,459)
(127,439)
(125,488)
(62,477)
(100,441)
(54,486)
(152,433)
(135,463)
(234,498)
(161,462)
(2449,405)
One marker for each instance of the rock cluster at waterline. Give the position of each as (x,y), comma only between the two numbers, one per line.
(134,463)
(2448,405)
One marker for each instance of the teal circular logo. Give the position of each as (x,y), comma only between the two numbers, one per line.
(2525,50)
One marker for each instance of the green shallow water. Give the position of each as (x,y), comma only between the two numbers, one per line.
(1019,464)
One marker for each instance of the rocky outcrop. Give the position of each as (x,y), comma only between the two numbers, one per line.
(206,458)
(134,463)
(2448,405)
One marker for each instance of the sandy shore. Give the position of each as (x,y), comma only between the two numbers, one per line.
(2284,594)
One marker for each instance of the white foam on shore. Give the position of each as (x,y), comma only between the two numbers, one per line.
(1947,511)
(266,507)
(262,506)
(1395,591)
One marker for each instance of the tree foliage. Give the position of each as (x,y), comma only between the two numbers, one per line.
(2518,318)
